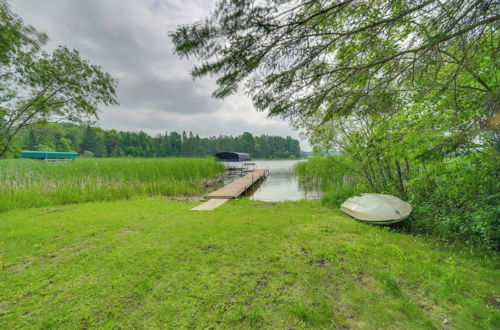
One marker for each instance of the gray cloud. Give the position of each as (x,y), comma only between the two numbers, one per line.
(128,38)
(173,96)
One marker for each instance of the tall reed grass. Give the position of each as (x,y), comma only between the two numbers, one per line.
(336,176)
(28,183)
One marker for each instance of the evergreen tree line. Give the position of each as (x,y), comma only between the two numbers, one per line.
(93,141)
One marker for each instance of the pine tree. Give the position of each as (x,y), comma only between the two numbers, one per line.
(89,142)
(32,139)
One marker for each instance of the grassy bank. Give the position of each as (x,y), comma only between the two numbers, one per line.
(28,183)
(148,262)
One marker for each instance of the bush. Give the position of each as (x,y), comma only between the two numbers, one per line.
(459,197)
(456,197)
(88,154)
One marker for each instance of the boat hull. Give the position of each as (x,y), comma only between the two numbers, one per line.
(379,209)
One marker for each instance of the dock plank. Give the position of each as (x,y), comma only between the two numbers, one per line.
(238,186)
(230,191)
(210,204)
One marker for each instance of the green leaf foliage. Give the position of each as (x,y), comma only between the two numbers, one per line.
(408,91)
(37,87)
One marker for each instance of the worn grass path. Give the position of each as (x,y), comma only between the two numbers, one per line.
(150,262)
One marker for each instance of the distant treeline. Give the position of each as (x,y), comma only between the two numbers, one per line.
(94,141)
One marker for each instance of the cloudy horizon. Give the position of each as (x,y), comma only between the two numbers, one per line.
(129,39)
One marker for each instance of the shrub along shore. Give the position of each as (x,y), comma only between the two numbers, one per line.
(455,198)
(26,183)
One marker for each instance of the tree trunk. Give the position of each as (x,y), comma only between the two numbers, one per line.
(400,184)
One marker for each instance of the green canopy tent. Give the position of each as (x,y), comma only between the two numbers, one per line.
(49,155)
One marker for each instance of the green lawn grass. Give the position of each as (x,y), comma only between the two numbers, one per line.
(28,183)
(152,263)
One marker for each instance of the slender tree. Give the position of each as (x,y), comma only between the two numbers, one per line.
(37,87)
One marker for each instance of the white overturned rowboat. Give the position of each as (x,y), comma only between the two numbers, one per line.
(376,208)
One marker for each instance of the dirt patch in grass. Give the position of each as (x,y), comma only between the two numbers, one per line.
(183,199)
(4,306)
(210,247)
(368,281)
(127,231)
(320,262)
(20,266)
(493,301)
(53,210)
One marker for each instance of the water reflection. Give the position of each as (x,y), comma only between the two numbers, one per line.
(281,184)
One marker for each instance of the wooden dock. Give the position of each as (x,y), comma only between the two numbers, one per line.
(210,204)
(238,186)
(231,191)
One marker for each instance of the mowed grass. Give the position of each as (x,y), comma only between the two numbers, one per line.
(28,183)
(153,263)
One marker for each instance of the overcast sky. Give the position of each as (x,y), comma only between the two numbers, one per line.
(129,39)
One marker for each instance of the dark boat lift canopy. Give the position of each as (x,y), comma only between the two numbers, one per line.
(232,156)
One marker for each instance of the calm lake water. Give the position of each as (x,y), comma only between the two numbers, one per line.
(281,184)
